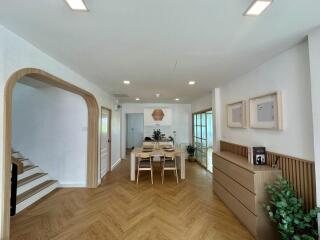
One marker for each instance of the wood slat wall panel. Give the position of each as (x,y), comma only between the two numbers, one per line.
(234,148)
(299,172)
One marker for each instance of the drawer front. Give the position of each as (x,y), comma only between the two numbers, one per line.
(240,175)
(247,198)
(244,215)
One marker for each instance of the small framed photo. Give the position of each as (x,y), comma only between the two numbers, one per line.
(265,111)
(259,155)
(236,115)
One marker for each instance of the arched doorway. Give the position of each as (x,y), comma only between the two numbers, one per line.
(93,128)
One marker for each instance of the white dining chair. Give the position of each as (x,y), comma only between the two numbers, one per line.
(169,163)
(145,164)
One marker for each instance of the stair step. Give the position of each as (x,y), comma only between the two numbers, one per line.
(27,162)
(17,155)
(29,170)
(30,178)
(29,167)
(34,190)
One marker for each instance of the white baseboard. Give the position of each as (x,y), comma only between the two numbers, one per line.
(72,185)
(115,164)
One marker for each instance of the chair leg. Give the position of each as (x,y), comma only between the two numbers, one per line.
(151,175)
(176,172)
(162,175)
(138,173)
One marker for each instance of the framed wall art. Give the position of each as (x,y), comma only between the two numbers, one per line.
(266,111)
(236,115)
(157,116)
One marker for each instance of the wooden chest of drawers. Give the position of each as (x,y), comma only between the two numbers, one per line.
(242,187)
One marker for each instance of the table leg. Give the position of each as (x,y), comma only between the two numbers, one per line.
(183,166)
(132,166)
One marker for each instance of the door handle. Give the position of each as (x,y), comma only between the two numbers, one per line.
(108,141)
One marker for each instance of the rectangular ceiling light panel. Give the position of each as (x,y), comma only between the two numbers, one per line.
(77,5)
(257,7)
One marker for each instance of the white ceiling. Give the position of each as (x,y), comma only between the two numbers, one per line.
(159,45)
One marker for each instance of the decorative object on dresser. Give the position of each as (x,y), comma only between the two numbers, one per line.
(285,209)
(191,150)
(258,155)
(241,186)
(266,111)
(237,115)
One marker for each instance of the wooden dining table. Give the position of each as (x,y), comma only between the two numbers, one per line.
(157,153)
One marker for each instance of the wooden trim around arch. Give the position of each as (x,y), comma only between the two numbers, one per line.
(93,130)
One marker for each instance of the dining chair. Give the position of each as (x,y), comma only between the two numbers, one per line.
(148,146)
(169,163)
(145,164)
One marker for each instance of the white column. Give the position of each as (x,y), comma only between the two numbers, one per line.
(216,111)
(314,57)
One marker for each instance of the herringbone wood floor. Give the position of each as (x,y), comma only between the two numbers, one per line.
(120,209)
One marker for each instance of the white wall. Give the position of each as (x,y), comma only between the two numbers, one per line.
(314,55)
(181,121)
(203,103)
(15,54)
(50,127)
(288,73)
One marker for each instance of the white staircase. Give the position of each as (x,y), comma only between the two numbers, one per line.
(33,183)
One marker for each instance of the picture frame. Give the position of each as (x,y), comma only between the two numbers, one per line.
(237,115)
(265,111)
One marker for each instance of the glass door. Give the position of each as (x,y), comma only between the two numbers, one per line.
(202,137)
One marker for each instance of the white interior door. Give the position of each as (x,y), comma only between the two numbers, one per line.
(105,142)
(135,129)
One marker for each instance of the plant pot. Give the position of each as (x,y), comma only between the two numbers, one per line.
(192,158)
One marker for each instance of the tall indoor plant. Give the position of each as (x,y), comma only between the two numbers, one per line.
(286,210)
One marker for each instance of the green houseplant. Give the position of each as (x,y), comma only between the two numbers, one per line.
(157,135)
(286,210)
(191,150)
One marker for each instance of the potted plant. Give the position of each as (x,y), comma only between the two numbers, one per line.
(286,210)
(191,150)
(156,134)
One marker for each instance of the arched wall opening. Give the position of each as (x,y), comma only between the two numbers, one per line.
(92,139)
(49,127)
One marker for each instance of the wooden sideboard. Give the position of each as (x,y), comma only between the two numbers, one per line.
(242,187)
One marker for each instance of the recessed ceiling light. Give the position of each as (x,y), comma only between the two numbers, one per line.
(157,95)
(127,82)
(192,82)
(257,7)
(177,99)
(77,5)
(137,99)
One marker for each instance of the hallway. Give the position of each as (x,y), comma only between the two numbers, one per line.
(120,209)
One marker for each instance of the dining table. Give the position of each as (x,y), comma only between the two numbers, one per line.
(156,154)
